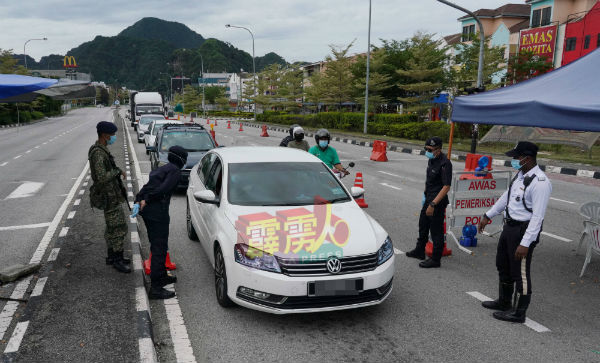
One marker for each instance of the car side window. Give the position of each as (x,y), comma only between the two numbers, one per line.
(205,165)
(215,178)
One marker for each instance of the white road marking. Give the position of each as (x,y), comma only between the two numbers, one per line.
(135,237)
(39,287)
(179,336)
(28,151)
(141,301)
(25,226)
(562,200)
(386,173)
(129,185)
(390,186)
(18,156)
(147,352)
(6,316)
(528,322)
(398,252)
(77,201)
(82,191)
(53,254)
(37,147)
(71,214)
(85,184)
(130,194)
(557,237)
(17,337)
(4,163)
(27,189)
(63,232)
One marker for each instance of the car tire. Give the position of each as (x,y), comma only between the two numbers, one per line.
(191,232)
(221,279)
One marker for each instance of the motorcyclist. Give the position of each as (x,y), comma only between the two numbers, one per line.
(327,153)
(290,137)
(298,142)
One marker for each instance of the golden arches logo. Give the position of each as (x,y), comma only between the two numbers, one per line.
(69,62)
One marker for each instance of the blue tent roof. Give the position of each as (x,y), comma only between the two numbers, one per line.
(566,98)
(14,85)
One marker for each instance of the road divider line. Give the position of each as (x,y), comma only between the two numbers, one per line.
(528,322)
(25,226)
(390,186)
(562,200)
(4,163)
(179,336)
(15,340)
(25,190)
(390,174)
(557,237)
(18,156)
(71,214)
(77,201)
(39,287)
(53,254)
(82,191)
(63,232)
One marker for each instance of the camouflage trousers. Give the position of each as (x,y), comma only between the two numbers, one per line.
(116,227)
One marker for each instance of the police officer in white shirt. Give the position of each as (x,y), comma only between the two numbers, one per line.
(524,206)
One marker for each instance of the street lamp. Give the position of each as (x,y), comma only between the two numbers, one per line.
(202,64)
(368,64)
(24,45)
(479,68)
(253,63)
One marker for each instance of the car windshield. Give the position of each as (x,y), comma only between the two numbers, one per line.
(157,127)
(281,184)
(148,120)
(189,140)
(148,109)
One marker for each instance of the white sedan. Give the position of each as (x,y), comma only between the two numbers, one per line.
(284,235)
(144,125)
(150,134)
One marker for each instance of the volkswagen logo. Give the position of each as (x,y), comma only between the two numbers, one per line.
(334,265)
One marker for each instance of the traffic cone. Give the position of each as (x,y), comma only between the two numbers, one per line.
(358,182)
(216,124)
(178,116)
(207,121)
(168,264)
(264,131)
(212,133)
(429,245)
(228,124)
(241,127)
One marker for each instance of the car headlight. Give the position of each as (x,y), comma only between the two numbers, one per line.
(385,251)
(255,258)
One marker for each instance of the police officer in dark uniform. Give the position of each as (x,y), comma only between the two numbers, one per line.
(435,200)
(524,206)
(152,202)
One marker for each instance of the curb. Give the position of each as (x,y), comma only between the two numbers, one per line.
(498,162)
(147,350)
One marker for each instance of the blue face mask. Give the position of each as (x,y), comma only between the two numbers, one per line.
(112,140)
(323,144)
(516,164)
(429,154)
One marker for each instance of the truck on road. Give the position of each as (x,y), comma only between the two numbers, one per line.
(144,103)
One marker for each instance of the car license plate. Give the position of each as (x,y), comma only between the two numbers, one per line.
(335,287)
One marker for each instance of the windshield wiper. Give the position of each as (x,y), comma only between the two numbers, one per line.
(342,199)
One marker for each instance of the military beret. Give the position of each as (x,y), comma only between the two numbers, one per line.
(434,142)
(105,127)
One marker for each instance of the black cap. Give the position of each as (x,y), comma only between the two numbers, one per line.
(434,141)
(523,148)
(105,127)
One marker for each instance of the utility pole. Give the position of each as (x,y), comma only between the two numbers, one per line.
(253,64)
(24,45)
(368,66)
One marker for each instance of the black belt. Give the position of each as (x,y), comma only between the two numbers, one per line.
(513,222)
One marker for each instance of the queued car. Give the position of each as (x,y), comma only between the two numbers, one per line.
(192,137)
(284,235)
(144,125)
(150,135)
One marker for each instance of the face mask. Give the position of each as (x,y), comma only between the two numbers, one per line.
(429,154)
(516,164)
(112,140)
(323,144)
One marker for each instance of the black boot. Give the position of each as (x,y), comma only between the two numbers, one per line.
(158,292)
(166,280)
(111,257)
(518,314)
(119,263)
(416,253)
(429,263)
(503,303)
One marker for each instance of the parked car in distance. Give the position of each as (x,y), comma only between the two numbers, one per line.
(144,125)
(155,126)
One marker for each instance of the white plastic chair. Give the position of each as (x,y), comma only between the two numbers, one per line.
(593,230)
(590,212)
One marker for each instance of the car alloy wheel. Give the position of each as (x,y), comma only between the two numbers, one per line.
(221,279)
(191,232)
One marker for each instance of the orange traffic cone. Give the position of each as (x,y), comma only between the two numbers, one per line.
(241,127)
(358,182)
(228,124)
(178,117)
(216,124)
(264,131)
(212,133)
(429,245)
(168,264)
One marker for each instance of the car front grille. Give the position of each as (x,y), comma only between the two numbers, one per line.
(354,264)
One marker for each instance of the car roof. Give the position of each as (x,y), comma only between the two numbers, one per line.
(162,122)
(264,154)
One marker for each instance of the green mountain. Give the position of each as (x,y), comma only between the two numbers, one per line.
(171,32)
(137,56)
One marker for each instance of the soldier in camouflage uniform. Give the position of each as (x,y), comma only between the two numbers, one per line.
(108,194)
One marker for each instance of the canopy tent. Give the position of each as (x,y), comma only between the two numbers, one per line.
(566,98)
(18,88)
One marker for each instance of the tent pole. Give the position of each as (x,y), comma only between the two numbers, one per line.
(451,139)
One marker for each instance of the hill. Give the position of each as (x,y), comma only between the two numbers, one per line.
(176,34)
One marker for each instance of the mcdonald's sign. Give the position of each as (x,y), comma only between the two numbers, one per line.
(69,62)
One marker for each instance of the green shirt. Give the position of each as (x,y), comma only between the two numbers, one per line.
(303,144)
(329,156)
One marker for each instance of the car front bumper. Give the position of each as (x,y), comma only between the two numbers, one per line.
(289,294)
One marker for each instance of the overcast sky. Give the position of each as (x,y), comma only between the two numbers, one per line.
(295,29)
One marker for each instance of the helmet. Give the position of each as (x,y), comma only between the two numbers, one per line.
(322,134)
(298,133)
(292,129)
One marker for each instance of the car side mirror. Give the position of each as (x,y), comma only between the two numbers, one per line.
(206,196)
(147,132)
(151,148)
(357,192)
